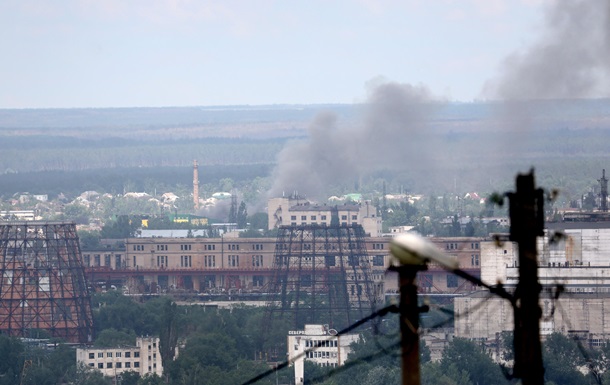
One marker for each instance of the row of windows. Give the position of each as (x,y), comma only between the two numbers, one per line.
(97,259)
(161,247)
(116,354)
(320,343)
(161,260)
(185,247)
(454,246)
(316,354)
(304,217)
(119,365)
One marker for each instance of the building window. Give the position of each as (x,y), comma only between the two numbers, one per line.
(474,259)
(91,356)
(119,365)
(127,354)
(233,246)
(209,247)
(257,261)
(136,354)
(378,260)
(209,260)
(86,259)
(185,247)
(109,365)
(109,354)
(96,260)
(186,261)
(136,364)
(91,364)
(313,218)
(257,280)
(100,365)
(354,217)
(293,217)
(257,246)
(128,364)
(452,280)
(344,217)
(118,354)
(117,261)
(100,355)
(233,260)
(323,217)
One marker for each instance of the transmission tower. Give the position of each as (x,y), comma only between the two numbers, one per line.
(321,275)
(42,281)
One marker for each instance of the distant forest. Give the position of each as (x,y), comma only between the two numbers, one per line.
(73,150)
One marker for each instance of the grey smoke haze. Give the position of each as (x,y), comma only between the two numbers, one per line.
(571,58)
(393,135)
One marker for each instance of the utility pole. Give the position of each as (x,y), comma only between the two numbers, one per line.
(409,323)
(526,224)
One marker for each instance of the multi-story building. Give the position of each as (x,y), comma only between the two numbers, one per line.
(230,265)
(578,261)
(212,265)
(318,344)
(296,211)
(144,358)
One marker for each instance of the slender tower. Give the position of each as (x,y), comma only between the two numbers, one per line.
(603,192)
(196,184)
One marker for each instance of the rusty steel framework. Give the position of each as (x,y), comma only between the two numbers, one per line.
(43,284)
(321,275)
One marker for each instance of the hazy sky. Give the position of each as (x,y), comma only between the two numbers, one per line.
(121,53)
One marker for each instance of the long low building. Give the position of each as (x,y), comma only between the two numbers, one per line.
(230,264)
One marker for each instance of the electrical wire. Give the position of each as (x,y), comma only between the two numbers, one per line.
(379,313)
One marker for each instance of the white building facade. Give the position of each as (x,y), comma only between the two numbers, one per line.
(318,344)
(296,212)
(144,358)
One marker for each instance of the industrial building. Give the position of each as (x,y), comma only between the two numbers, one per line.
(245,265)
(578,261)
(143,358)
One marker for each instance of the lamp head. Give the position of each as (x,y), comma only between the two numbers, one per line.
(413,249)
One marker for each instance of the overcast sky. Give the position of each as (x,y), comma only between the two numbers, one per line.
(121,53)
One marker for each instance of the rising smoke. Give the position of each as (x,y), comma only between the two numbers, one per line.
(571,59)
(393,135)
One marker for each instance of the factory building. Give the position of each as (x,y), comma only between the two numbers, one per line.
(578,261)
(245,265)
(144,358)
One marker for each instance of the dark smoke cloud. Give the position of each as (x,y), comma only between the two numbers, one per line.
(394,134)
(571,59)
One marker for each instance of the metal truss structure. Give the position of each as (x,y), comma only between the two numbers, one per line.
(321,275)
(42,281)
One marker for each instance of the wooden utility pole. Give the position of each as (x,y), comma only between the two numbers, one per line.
(409,323)
(527,223)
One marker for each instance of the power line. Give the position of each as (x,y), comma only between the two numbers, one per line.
(379,313)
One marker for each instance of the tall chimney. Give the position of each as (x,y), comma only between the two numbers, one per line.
(196,184)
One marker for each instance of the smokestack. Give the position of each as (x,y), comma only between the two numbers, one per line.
(196,184)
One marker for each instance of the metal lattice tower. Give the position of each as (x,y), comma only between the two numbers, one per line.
(321,275)
(43,283)
(603,192)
